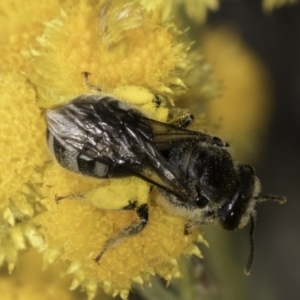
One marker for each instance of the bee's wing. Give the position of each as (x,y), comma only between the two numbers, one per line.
(164,136)
(157,170)
(110,132)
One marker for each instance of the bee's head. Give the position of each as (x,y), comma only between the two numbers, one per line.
(237,211)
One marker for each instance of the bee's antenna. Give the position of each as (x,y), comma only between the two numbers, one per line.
(251,253)
(279,199)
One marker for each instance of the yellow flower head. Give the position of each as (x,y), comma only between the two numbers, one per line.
(128,51)
(196,10)
(23,154)
(20,25)
(118,44)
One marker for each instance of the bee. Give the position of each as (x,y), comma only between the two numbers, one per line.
(104,137)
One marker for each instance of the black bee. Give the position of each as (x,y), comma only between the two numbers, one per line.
(101,136)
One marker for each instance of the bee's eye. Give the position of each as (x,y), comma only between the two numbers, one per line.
(202,201)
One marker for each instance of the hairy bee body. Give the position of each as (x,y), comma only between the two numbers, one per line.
(101,136)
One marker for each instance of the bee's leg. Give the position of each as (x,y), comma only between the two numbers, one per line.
(134,228)
(207,217)
(77,196)
(87,82)
(190,226)
(132,204)
(187,229)
(180,117)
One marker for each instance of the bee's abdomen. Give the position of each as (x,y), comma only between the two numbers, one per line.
(74,161)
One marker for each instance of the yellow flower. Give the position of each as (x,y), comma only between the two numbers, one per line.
(23,154)
(196,10)
(23,151)
(20,25)
(246,97)
(118,45)
(35,285)
(269,5)
(129,52)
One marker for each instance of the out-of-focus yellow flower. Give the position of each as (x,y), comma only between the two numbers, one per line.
(30,282)
(196,10)
(269,5)
(124,47)
(244,106)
